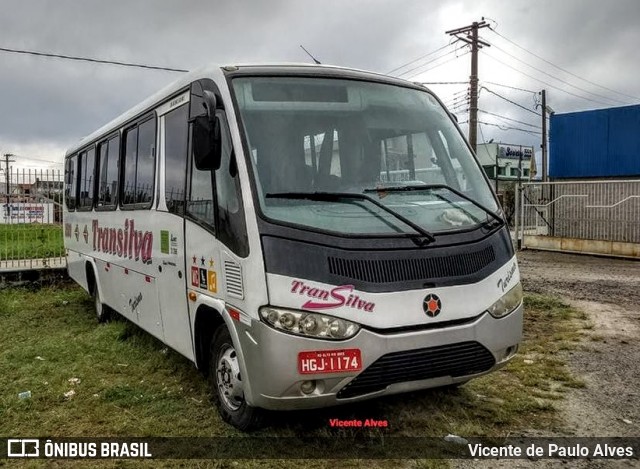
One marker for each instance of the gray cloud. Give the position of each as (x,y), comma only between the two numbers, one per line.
(47,104)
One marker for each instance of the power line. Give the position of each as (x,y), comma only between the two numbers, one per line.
(556,78)
(464,102)
(90,59)
(505,128)
(438,65)
(509,101)
(454,95)
(457,101)
(546,83)
(484,140)
(444,82)
(419,58)
(511,87)
(38,159)
(509,119)
(453,51)
(560,68)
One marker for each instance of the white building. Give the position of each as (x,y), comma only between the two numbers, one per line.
(508,161)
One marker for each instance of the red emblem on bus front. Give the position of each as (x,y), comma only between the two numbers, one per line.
(432,305)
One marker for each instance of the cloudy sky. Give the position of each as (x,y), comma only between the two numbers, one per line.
(48,104)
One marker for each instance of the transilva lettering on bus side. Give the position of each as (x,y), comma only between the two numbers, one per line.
(127,242)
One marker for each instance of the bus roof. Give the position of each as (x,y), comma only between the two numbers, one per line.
(213,70)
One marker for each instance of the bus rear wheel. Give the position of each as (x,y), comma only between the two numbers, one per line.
(227,385)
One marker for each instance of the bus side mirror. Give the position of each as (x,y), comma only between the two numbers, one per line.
(207,145)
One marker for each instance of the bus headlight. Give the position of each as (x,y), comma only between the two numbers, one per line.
(308,324)
(509,301)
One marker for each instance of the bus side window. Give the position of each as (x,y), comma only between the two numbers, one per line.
(87,178)
(109,152)
(146,167)
(231,226)
(175,151)
(232,230)
(200,203)
(139,164)
(129,167)
(70,189)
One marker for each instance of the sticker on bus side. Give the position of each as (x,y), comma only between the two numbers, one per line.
(195,276)
(203,278)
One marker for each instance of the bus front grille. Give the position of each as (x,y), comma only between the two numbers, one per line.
(402,270)
(461,359)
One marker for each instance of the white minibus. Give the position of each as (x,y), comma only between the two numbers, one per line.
(307,235)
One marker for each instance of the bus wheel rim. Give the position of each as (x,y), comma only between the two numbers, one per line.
(230,387)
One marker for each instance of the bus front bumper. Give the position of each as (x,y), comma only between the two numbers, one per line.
(271,361)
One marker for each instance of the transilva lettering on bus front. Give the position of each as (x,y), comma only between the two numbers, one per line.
(329,299)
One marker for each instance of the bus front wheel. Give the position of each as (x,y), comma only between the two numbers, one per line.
(102,310)
(227,385)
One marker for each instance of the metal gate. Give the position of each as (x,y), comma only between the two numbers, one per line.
(594,217)
(31,220)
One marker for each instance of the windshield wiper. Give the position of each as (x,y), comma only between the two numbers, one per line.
(333,196)
(422,187)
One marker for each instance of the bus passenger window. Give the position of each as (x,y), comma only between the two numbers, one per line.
(87,166)
(139,164)
(175,151)
(108,172)
(70,181)
(146,168)
(130,156)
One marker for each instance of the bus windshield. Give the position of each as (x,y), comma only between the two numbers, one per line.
(323,136)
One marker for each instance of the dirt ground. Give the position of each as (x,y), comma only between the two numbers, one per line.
(608,360)
(608,290)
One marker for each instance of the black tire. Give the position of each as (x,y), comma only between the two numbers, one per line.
(226,384)
(103,313)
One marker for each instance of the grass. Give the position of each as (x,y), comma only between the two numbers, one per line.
(30,241)
(132,385)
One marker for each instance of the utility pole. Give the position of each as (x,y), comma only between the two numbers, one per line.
(470,37)
(6,157)
(544,135)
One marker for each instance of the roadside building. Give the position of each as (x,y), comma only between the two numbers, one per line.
(600,143)
(506,163)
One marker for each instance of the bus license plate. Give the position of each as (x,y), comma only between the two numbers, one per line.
(329,361)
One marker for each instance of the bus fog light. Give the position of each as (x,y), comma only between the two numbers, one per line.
(510,351)
(308,387)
